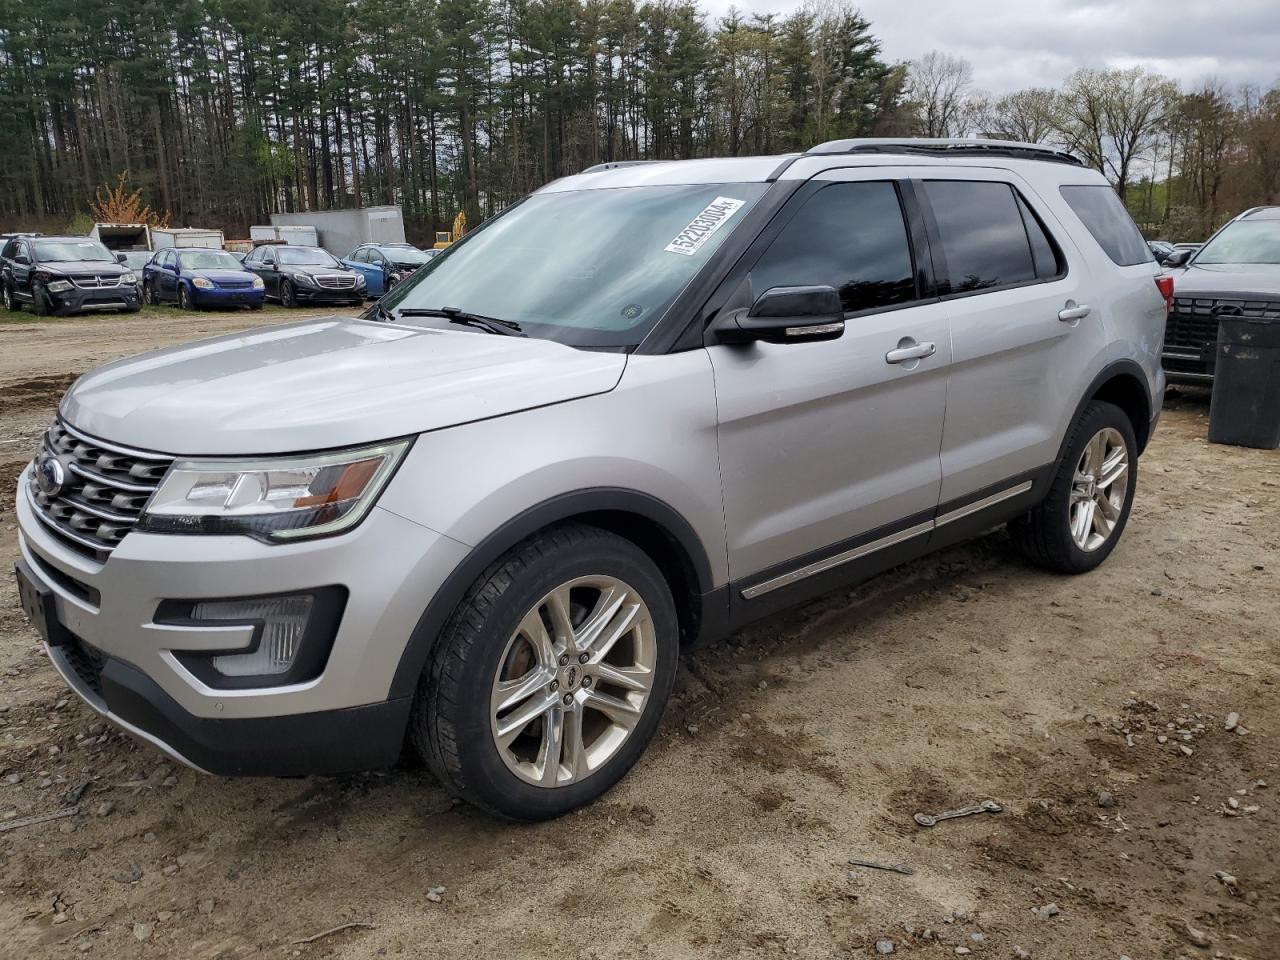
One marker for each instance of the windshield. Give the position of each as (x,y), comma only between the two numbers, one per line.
(409,256)
(1245,241)
(209,260)
(311,256)
(65,251)
(591,268)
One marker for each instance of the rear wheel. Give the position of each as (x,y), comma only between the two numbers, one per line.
(1077,525)
(550,678)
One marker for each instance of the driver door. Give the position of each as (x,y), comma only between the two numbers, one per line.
(829,451)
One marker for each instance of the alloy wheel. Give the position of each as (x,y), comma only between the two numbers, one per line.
(9,302)
(1098,489)
(573,681)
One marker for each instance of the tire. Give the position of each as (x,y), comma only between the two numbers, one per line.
(484,644)
(287,296)
(11,303)
(184,298)
(39,301)
(149,295)
(1052,535)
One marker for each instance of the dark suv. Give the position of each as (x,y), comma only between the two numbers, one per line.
(1235,274)
(65,275)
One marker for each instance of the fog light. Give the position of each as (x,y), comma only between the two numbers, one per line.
(281,622)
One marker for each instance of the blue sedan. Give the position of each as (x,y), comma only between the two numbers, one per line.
(195,277)
(383,265)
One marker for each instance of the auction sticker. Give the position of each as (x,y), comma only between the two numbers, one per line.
(714,216)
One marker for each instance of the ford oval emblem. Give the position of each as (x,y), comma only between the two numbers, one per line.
(51,475)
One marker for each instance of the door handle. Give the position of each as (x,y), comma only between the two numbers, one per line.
(908,349)
(1073,311)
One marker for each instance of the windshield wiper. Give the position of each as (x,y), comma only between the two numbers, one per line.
(506,328)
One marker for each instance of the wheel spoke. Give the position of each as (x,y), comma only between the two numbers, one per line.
(1083,521)
(629,678)
(557,604)
(511,692)
(535,631)
(509,727)
(1116,467)
(608,623)
(616,709)
(552,748)
(1101,524)
(574,752)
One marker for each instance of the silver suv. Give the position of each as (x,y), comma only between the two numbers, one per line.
(647,404)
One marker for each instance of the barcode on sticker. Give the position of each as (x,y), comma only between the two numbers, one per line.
(714,216)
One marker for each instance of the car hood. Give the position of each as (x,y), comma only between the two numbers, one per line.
(218,274)
(312,269)
(108,268)
(1242,281)
(325,383)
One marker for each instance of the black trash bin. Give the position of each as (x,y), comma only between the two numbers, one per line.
(1245,409)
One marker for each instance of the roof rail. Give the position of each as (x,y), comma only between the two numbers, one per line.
(951,147)
(615,164)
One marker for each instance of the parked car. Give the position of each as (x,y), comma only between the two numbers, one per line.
(65,275)
(192,277)
(1161,249)
(637,410)
(135,260)
(297,275)
(383,265)
(1236,273)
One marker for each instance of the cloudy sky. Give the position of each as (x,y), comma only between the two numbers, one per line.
(1021,43)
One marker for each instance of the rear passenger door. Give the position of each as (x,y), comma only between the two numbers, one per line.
(1022,330)
(832,447)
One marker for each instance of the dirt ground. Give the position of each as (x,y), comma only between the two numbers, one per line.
(1092,708)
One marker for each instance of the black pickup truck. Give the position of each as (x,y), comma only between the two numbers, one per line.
(1235,274)
(65,275)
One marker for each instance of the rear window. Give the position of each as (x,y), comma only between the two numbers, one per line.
(1101,211)
(984,237)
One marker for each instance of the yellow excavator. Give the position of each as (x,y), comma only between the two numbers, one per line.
(444,239)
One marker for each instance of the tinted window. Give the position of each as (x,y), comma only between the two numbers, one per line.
(850,236)
(10,249)
(984,241)
(1048,262)
(1101,211)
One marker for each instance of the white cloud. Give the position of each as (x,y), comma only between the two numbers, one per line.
(1038,42)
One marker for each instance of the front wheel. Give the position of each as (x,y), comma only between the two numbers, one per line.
(184,299)
(10,301)
(40,301)
(288,298)
(149,295)
(1077,525)
(550,678)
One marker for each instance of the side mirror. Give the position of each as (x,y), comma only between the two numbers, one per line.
(121,258)
(785,315)
(1178,258)
(23,259)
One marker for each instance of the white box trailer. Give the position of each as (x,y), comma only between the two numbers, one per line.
(341,230)
(164,237)
(295,235)
(122,236)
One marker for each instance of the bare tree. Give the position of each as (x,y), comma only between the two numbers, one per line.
(1112,117)
(937,85)
(1028,115)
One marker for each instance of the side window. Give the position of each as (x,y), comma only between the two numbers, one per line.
(850,236)
(1048,260)
(361,255)
(166,258)
(984,240)
(9,250)
(1101,211)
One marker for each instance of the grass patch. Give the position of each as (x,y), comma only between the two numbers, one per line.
(270,313)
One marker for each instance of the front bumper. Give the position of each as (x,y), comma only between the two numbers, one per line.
(227,298)
(325,295)
(79,300)
(341,719)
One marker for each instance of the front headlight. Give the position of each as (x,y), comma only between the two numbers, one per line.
(284,498)
(59,286)
(202,283)
(257,283)
(360,280)
(129,277)
(305,278)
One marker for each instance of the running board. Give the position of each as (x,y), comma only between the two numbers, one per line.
(893,539)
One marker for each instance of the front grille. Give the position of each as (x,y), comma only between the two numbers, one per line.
(235,284)
(94,282)
(335,281)
(104,490)
(1191,333)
